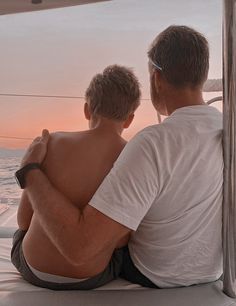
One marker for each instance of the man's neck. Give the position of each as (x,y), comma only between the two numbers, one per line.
(177,98)
(102,124)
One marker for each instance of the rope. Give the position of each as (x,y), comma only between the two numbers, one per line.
(14,137)
(219,98)
(40,96)
(49,96)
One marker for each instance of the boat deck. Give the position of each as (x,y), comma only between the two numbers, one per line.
(16,292)
(8,215)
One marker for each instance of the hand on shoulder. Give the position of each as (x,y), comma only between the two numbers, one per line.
(37,150)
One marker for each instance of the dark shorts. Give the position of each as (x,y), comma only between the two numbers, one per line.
(111,272)
(131,273)
(120,265)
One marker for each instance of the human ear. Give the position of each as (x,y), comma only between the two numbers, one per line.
(128,121)
(87,112)
(157,80)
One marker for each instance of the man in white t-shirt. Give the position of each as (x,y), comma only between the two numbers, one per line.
(165,188)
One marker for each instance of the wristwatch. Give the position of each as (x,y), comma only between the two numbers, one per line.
(20,175)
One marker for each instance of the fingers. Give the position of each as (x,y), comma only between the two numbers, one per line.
(45,135)
(37,139)
(37,150)
(44,138)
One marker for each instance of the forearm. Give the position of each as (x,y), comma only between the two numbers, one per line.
(59,218)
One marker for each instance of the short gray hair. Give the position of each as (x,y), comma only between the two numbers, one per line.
(183,55)
(114,94)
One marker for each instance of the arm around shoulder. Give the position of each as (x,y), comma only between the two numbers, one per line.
(78,237)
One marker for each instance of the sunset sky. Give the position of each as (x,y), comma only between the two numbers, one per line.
(57,52)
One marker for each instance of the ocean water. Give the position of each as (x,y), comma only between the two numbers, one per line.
(10,192)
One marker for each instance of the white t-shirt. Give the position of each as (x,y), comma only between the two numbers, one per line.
(167,187)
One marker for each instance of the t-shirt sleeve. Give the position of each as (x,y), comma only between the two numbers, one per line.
(128,191)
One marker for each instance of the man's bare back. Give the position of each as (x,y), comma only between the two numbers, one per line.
(76,164)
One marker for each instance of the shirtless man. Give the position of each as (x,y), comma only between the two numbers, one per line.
(77,163)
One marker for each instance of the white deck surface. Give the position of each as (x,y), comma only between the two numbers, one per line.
(8,216)
(14,291)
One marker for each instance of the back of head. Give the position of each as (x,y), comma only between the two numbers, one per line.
(183,56)
(114,94)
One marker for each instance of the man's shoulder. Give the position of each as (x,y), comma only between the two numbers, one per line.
(65,139)
(67,136)
(150,132)
(147,139)
(62,143)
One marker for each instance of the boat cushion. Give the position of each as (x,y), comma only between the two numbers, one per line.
(14,291)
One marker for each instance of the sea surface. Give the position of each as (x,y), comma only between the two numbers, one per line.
(10,192)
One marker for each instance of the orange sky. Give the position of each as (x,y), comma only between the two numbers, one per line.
(64,116)
(67,116)
(57,52)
